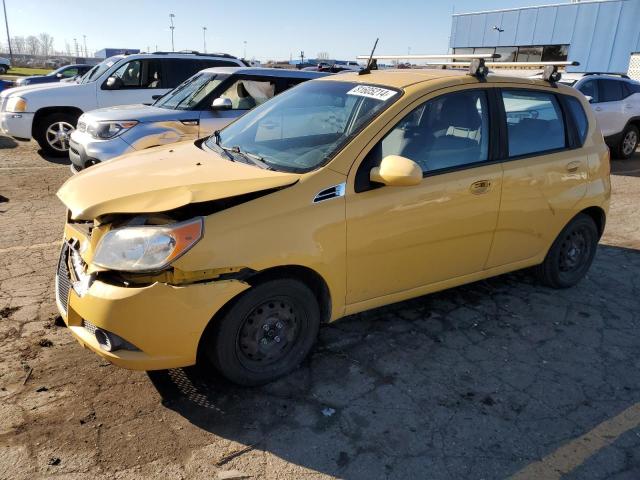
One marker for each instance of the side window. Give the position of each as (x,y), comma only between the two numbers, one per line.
(246,94)
(590,89)
(70,72)
(448,131)
(534,122)
(139,74)
(610,91)
(579,117)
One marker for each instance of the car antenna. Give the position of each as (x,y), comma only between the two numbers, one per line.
(370,63)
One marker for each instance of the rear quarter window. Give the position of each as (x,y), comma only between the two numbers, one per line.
(579,117)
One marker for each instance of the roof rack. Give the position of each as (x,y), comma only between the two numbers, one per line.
(195,52)
(452,56)
(613,74)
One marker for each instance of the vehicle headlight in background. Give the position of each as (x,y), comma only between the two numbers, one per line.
(16,105)
(109,129)
(147,248)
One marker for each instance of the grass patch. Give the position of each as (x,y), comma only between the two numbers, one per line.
(26,71)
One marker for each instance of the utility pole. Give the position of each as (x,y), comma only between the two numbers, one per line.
(6,23)
(301,58)
(86,54)
(204,39)
(172,27)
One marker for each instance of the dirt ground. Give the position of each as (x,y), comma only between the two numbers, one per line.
(495,379)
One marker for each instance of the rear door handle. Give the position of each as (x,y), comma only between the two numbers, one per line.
(573,166)
(481,186)
(598,109)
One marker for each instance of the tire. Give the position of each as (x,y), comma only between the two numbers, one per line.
(628,143)
(3,69)
(571,254)
(53,131)
(265,334)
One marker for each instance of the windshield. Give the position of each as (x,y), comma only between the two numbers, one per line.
(93,74)
(190,93)
(300,129)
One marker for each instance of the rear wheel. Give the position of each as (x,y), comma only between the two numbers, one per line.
(571,254)
(53,132)
(266,333)
(3,69)
(628,143)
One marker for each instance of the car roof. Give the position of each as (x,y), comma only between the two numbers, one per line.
(402,78)
(267,72)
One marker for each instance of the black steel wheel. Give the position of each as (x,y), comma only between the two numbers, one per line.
(571,254)
(265,333)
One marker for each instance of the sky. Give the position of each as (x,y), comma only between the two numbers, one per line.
(275,29)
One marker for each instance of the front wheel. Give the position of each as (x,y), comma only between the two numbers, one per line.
(266,332)
(628,143)
(571,254)
(53,132)
(3,69)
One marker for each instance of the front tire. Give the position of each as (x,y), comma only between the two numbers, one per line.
(3,69)
(266,332)
(53,132)
(628,143)
(571,254)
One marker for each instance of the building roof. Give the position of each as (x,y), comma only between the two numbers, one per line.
(582,2)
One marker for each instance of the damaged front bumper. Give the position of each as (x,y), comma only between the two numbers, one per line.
(161,324)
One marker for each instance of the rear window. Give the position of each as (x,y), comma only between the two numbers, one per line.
(177,70)
(610,90)
(534,122)
(579,117)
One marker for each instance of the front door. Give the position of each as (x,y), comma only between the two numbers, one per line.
(138,82)
(401,238)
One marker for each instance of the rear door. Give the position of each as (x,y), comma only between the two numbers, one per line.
(545,174)
(610,107)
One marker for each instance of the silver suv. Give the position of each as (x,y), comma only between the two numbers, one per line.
(208,101)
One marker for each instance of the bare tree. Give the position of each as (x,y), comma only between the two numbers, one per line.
(323,56)
(19,44)
(46,44)
(32,45)
(67,48)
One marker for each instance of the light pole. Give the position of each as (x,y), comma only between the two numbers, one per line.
(204,39)
(75,43)
(172,27)
(84,38)
(245,49)
(6,23)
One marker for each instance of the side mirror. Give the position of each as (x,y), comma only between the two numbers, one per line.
(113,83)
(58,75)
(221,104)
(589,98)
(155,97)
(396,171)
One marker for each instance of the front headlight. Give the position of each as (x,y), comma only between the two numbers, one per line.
(16,105)
(147,248)
(108,129)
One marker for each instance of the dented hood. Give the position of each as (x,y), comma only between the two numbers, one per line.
(161,179)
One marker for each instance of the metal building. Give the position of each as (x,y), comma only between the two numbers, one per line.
(601,35)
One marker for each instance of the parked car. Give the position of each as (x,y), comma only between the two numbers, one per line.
(5,65)
(208,101)
(340,195)
(49,113)
(66,72)
(615,99)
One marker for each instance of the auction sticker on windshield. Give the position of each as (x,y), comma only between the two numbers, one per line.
(372,92)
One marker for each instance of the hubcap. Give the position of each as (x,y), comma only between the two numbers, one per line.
(268,333)
(58,135)
(575,250)
(630,142)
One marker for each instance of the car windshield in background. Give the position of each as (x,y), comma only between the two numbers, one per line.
(191,92)
(93,74)
(300,129)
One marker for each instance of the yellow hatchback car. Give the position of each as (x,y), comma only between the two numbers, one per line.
(340,195)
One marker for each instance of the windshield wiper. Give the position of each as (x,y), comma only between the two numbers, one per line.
(257,160)
(226,150)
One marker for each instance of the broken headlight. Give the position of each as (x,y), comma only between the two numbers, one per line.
(147,248)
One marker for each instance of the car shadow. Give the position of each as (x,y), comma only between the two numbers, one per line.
(479,380)
(627,168)
(7,142)
(56,160)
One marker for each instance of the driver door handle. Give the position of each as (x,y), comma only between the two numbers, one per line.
(480,187)
(573,166)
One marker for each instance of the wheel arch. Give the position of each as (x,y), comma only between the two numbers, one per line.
(598,215)
(43,112)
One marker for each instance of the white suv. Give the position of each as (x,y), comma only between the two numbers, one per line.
(615,100)
(49,113)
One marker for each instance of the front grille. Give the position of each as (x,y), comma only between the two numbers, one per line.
(90,327)
(63,280)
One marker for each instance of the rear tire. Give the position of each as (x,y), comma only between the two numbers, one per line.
(3,69)
(53,131)
(571,254)
(628,143)
(266,332)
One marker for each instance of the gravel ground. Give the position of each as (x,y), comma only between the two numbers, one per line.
(495,379)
